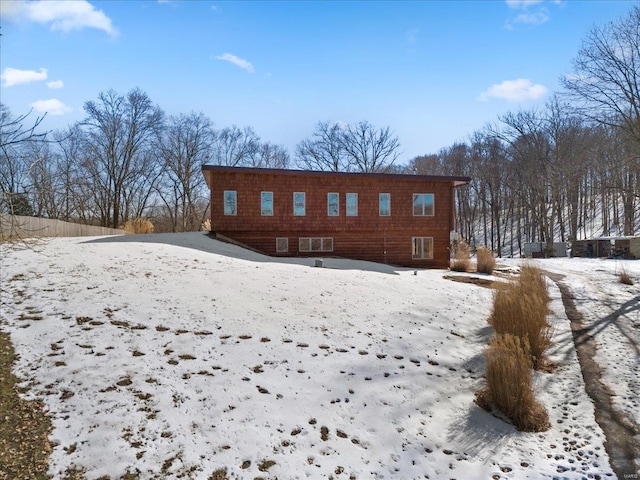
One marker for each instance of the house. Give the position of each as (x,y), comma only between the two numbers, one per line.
(402,220)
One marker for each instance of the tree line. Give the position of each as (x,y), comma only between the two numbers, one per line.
(562,172)
(126,159)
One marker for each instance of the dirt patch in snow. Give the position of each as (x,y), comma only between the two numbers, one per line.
(24,425)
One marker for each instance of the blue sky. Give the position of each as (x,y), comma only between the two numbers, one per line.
(432,71)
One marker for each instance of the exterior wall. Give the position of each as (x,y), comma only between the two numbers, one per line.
(367,236)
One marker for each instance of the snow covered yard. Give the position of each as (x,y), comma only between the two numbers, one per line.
(177,356)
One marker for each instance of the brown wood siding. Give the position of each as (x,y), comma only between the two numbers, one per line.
(367,236)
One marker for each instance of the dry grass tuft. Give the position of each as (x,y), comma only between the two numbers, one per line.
(460,257)
(521,309)
(138,225)
(509,388)
(485,260)
(625,277)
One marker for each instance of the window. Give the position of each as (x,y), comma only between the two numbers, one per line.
(315,244)
(266,204)
(299,208)
(423,204)
(282,245)
(230,202)
(422,248)
(384,204)
(352,204)
(333,204)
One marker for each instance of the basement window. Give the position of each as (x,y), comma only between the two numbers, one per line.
(315,244)
(422,248)
(282,245)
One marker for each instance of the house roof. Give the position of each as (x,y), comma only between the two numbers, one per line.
(457,181)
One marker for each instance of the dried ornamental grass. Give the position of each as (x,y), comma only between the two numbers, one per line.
(486,262)
(509,384)
(625,277)
(521,309)
(138,225)
(461,257)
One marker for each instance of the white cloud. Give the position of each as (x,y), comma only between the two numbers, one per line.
(59,14)
(13,76)
(514,91)
(535,18)
(52,106)
(55,84)
(522,4)
(238,62)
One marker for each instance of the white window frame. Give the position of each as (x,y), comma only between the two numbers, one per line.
(425,212)
(418,248)
(230,208)
(282,244)
(315,244)
(380,197)
(336,203)
(265,212)
(351,213)
(304,204)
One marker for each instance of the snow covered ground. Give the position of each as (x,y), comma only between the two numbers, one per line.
(176,356)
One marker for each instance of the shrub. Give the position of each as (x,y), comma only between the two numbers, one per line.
(460,257)
(138,225)
(521,309)
(509,387)
(625,277)
(485,260)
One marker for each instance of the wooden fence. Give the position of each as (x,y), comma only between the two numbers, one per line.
(16,226)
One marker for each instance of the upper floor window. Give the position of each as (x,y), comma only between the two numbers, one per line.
(230,202)
(266,204)
(299,204)
(352,204)
(384,204)
(333,204)
(423,204)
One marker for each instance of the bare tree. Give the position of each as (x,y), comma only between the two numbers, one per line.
(605,85)
(15,162)
(234,147)
(369,149)
(185,146)
(324,150)
(269,155)
(120,134)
